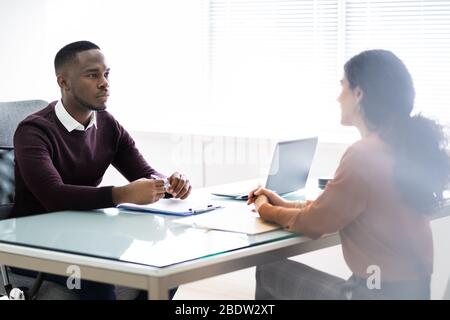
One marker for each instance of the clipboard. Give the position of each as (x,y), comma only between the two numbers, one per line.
(173,207)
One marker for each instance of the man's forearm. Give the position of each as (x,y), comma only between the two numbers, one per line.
(119,195)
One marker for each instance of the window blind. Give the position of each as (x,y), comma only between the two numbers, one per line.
(273,62)
(280,61)
(418,31)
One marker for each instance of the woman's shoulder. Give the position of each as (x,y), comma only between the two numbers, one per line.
(370,143)
(367,149)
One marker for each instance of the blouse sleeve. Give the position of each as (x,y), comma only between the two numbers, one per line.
(344,198)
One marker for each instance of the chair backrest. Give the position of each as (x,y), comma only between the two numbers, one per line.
(11,113)
(6,181)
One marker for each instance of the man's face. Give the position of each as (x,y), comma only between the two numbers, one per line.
(87,80)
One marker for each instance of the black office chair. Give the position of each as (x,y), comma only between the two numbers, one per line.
(6,198)
(11,114)
(6,181)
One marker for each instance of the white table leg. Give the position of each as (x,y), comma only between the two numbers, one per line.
(157,290)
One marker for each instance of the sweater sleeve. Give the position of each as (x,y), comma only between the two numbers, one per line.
(33,158)
(129,161)
(344,198)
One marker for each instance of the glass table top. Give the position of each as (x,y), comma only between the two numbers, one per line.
(148,239)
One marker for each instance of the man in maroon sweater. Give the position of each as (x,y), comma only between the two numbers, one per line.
(63,151)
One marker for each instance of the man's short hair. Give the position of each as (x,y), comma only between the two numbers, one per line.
(70,51)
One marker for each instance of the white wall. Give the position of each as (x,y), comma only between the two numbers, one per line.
(155,49)
(26,72)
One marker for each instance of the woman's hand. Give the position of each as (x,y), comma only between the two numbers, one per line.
(260,200)
(271,196)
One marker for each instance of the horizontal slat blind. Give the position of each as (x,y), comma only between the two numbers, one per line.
(281,60)
(273,61)
(418,31)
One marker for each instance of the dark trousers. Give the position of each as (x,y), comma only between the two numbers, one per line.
(290,280)
(89,290)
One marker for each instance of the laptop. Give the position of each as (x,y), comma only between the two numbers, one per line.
(289,170)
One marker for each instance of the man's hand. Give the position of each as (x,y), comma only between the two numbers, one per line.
(179,186)
(142,191)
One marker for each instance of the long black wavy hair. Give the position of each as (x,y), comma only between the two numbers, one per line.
(418,144)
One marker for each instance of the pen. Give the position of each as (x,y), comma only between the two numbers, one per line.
(209,207)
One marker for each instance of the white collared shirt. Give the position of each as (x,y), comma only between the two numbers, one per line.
(69,122)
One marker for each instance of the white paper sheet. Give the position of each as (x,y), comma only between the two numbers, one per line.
(241,220)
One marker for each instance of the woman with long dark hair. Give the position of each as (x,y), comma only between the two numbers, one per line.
(379,199)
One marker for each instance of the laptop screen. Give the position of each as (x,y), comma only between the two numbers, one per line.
(291,164)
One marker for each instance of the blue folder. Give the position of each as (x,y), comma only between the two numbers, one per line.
(183,212)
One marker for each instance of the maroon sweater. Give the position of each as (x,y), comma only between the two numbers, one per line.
(57,170)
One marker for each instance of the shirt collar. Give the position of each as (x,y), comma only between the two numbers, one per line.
(69,122)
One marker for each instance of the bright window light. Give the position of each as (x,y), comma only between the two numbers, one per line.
(268,68)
